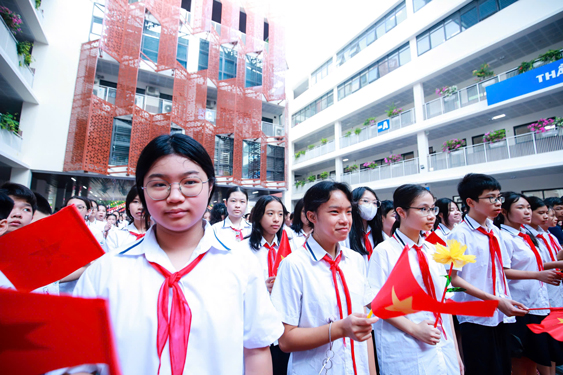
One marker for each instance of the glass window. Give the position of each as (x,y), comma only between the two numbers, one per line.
(341,94)
(329,99)
(417,4)
(404,55)
(120,142)
(371,36)
(401,14)
(423,44)
(223,162)
(437,36)
(182,52)
(504,3)
(452,26)
(275,163)
(253,72)
(468,17)
(372,74)
(323,103)
(203,55)
(250,159)
(354,49)
(487,8)
(364,79)
(380,29)
(477,140)
(383,68)
(363,42)
(355,84)
(393,61)
(390,22)
(150,40)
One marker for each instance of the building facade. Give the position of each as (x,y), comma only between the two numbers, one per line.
(390,106)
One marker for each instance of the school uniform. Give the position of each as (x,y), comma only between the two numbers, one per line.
(485,345)
(397,351)
(228,235)
(443,232)
(225,292)
(304,294)
(297,240)
(262,253)
(367,242)
(120,238)
(52,289)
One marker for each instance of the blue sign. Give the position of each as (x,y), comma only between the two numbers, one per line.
(536,79)
(383,125)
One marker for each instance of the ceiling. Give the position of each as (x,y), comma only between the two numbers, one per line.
(387,147)
(326,132)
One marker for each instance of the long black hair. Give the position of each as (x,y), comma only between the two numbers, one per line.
(320,193)
(403,197)
(510,198)
(356,235)
(443,205)
(259,209)
(297,223)
(133,193)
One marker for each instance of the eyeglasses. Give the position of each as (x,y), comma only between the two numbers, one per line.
(367,201)
(493,200)
(159,190)
(427,210)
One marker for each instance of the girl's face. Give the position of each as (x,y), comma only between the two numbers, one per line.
(101,214)
(136,208)
(111,219)
(333,218)
(520,212)
(177,213)
(454,214)
(80,205)
(552,219)
(540,217)
(388,221)
(368,198)
(273,218)
(236,204)
(417,219)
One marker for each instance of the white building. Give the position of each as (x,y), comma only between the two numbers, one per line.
(409,50)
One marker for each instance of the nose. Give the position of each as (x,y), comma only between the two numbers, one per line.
(175,194)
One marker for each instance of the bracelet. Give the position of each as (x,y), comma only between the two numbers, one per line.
(329,332)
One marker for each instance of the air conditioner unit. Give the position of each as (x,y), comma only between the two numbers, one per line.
(152,91)
(278,131)
(97,82)
(167,108)
(210,104)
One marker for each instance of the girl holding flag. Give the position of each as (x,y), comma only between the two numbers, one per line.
(410,344)
(234,228)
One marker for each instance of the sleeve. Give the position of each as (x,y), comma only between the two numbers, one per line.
(112,240)
(378,268)
(5,283)
(506,249)
(288,291)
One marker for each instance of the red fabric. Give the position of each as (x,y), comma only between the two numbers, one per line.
(554,244)
(367,244)
(550,250)
(138,236)
(334,268)
(553,325)
(41,333)
(283,251)
(48,250)
(239,233)
(401,295)
(494,249)
(534,249)
(177,329)
(434,239)
(271,259)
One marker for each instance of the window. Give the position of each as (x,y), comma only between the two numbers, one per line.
(417,4)
(250,159)
(487,8)
(477,140)
(469,17)
(390,22)
(223,159)
(216,11)
(404,55)
(521,129)
(453,26)
(393,61)
(408,155)
(151,37)
(544,194)
(437,37)
(96,26)
(203,55)
(504,3)
(321,72)
(423,44)
(253,71)
(275,163)
(313,108)
(182,52)
(120,142)
(227,64)
(242,22)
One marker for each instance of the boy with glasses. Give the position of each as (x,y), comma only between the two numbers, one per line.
(485,339)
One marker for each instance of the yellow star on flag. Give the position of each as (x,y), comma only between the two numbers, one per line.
(560,320)
(404,306)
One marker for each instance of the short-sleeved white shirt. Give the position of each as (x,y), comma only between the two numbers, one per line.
(479,274)
(227,236)
(346,243)
(296,239)
(397,351)
(519,256)
(120,238)
(443,232)
(262,253)
(231,309)
(305,297)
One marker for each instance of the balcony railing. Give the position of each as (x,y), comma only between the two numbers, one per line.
(9,44)
(273,130)
(400,169)
(397,122)
(11,140)
(317,151)
(512,147)
(151,104)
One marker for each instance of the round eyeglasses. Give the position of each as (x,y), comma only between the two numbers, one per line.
(159,190)
(367,201)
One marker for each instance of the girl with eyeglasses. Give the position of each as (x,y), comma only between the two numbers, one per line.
(448,217)
(178,292)
(233,229)
(410,344)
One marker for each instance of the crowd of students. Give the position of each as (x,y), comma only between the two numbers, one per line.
(193,290)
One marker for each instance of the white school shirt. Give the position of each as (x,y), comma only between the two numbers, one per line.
(296,239)
(397,351)
(519,256)
(346,243)
(228,237)
(120,238)
(305,297)
(231,309)
(479,274)
(443,232)
(262,253)
(52,289)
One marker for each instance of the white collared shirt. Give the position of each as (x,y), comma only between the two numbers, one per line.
(231,309)
(479,274)
(443,232)
(519,256)
(346,243)
(227,236)
(305,297)
(120,238)
(397,351)
(262,253)
(296,239)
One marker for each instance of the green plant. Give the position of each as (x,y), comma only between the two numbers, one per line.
(446,91)
(9,122)
(299,153)
(351,168)
(452,145)
(495,136)
(370,165)
(310,147)
(13,20)
(37,4)
(369,121)
(348,133)
(311,178)
(324,141)
(393,111)
(525,66)
(558,122)
(483,72)
(324,175)
(24,50)
(550,56)
(393,158)
(357,131)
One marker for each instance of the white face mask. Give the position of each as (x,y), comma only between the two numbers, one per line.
(367,211)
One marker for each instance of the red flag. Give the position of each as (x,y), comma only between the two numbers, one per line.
(434,239)
(41,333)
(401,295)
(48,250)
(283,251)
(553,325)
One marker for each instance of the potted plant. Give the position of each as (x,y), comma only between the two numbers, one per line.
(543,125)
(324,141)
(453,145)
(393,111)
(24,50)
(324,175)
(369,121)
(550,56)
(353,167)
(348,133)
(494,137)
(558,122)
(12,20)
(310,147)
(37,4)
(483,72)
(525,66)
(446,91)
(393,158)
(370,164)
(311,178)
(357,131)
(9,122)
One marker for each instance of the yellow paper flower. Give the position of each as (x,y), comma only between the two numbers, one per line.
(453,254)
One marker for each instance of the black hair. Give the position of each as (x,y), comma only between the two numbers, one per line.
(176,144)
(21,192)
(112,214)
(403,197)
(234,189)
(297,224)
(443,205)
(259,209)
(134,193)
(83,199)
(102,205)
(218,212)
(43,205)
(535,202)
(552,202)
(356,232)
(386,207)
(320,193)
(93,202)
(474,184)
(6,205)
(510,198)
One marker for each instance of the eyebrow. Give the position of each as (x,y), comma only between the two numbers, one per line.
(160,175)
(340,207)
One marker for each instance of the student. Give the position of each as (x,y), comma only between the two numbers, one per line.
(111,224)
(551,221)
(218,213)
(207,214)
(101,217)
(300,228)
(448,217)
(387,218)
(43,208)
(367,231)
(91,219)
(288,219)
(228,303)
(136,228)
(6,206)
(233,228)
(485,347)
(557,205)
(321,291)
(25,205)
(410,344)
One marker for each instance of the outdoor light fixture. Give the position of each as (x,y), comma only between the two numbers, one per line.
(499,116)
(344,159)
(73,179)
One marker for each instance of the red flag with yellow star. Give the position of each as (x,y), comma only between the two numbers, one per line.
(283,251)
(47,250)
(553,325)
(401,295)
(434,239)
(41,333)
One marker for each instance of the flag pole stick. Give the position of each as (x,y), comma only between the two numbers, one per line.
(546,308)
(445,289)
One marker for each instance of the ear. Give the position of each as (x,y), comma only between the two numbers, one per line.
(311,216)
(441,216)
(3,226)
(470,202)
(401,212)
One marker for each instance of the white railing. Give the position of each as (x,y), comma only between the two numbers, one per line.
(512,147)
(151,104)
(406,118)
(315,152)
(399,169)
(9,44)
(11,140)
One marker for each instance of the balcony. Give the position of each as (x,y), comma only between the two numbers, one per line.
(9,50)
(512,147)
(315,152)
(272,130)
(151,104)
(399,169)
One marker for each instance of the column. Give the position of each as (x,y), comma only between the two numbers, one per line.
(410,8)
(418,96)
(21,176)
(337,135)
(338,166)
(290,176)
(422,143)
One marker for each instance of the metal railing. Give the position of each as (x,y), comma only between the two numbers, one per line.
(10,45)
(315,152)
(10,139)
(399,169)
(509,148)
(406,118)
(151,104)
(273,130)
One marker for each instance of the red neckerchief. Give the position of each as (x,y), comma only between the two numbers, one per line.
(177,329)
(239,233)
(271,258)
(138,236)
(494,250)
(533,247)
(367,244)
(550,250)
